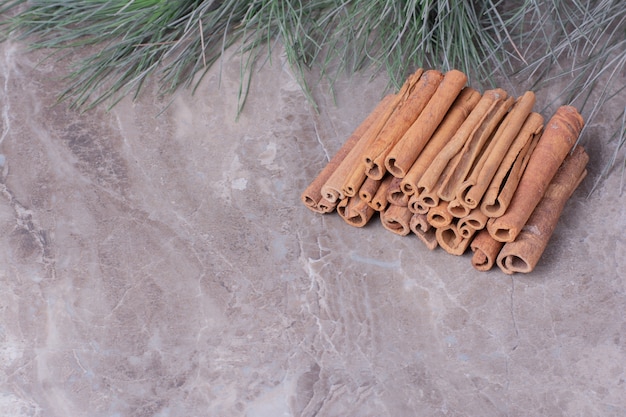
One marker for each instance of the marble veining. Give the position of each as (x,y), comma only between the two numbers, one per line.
(155,260)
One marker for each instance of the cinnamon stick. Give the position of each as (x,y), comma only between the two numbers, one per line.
(368,189)
(439,216)
(428,197)
(354,180)
(473,188)
(458,209)
(463,105)
(404,116)
(485,250)
(474,147)
(523,254)
(424,231)
(395,195)
(336,172)
(404,153)
(557,140)
(312,195)
(490,100)
(474,221)
(504,183)
(324,206)
(397,219)
(379,201)
(355,211)
(451,240)
(415,206)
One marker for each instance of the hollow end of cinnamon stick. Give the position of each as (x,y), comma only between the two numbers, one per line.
(451,241)
(505,233)
(419,225)
(324,206)
(355,211)
(397,219)
(514,263)
(394,169)
(457,209)
(486,250)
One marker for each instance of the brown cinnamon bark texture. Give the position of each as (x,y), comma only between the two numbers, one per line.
(312,195)
(439,216)
(332,189)
(485,250)
(523,254)
(403,117)
(472,190)
(428,197)
(504,183)
(368,189)
(471,223)
(379,202)
(424,231)
(557,140)
(458,209)
(395,195)
(354,180)
(404,153)
(457,114)
(451,240)
(397,219)
(474,147)
(355,211)
(415,205)
(483,110)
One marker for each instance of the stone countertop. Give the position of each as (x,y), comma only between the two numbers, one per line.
(155,260)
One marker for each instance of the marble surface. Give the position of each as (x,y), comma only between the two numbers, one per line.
(155,260)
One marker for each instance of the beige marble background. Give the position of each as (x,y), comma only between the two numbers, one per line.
(163,265)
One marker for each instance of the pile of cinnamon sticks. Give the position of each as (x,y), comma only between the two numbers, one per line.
(459,169)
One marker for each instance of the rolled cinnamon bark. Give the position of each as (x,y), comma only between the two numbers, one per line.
(368,189)
(397,219)
(474,221)
(428,197)
(451,240)
(354,180)
(336,175)
(483,110)
(379,201)
(473,148)
(557,140)
(504,183)
(395,195)
(355,211)
(458,209)
(473,188)
(424,231)
(439,216)
(485,250)
(415,206)
(312,195)
(404,153)
(463,105)
(523,254)
(406,113)
(324,206)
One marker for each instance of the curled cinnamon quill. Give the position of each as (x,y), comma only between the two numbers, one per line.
(397,219)
(404,153)
(485,249)
(354,211)
(417,96)
(424,231)
(524,252)
(557,140)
